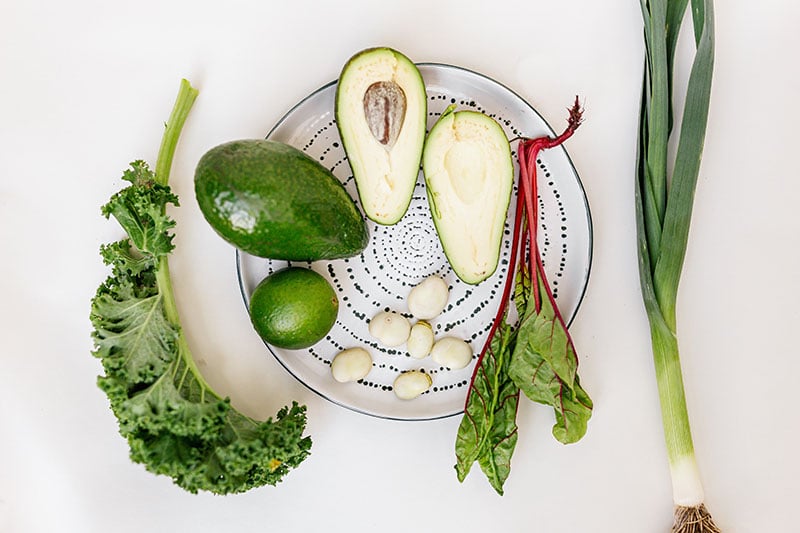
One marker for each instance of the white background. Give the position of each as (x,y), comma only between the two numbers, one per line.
(85,87)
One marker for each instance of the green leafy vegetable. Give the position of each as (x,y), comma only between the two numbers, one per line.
(544,365)
(536,355)
(488,431)
(663,214)
(174,422)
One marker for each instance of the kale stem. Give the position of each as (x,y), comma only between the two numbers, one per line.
(169,142)
(183,104)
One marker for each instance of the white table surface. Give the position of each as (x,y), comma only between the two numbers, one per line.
(85,87)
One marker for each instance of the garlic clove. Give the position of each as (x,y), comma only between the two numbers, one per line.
(390,328)
(409,385)
(420,340)
(351,365)
(451,352)
(428,299)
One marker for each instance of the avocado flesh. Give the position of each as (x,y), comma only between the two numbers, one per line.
(469,176)
(381,108)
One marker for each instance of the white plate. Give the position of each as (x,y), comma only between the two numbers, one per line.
(400,256)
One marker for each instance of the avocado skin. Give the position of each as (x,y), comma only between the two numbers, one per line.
(272,200)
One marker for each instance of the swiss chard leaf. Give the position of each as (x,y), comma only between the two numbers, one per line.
(522,287)
(488,431)
(544,366)
(572,406)
(544,333)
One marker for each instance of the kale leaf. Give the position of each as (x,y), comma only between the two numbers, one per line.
(175,424)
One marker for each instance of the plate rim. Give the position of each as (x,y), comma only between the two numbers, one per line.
(590,237)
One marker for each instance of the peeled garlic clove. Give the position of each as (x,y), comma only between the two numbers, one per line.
(409,385)
(351,365)
(452,353)
(420,341)
(428,298)
(390,328)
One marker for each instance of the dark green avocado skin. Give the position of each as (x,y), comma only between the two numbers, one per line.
(271,200)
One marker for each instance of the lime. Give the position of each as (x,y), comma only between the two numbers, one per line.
(293,308)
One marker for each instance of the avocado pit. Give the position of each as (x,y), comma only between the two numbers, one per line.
(385,111)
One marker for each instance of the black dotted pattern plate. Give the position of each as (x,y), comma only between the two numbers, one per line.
(400,256)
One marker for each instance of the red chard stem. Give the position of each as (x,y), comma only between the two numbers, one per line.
(527,198)
(505,298)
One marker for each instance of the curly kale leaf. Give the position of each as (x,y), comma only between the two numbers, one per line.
(140,210)
(175,424)
(133,335)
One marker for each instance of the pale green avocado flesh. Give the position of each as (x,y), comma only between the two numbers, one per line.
(381,108)
(469,177)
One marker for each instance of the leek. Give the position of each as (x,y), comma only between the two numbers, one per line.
(663,212)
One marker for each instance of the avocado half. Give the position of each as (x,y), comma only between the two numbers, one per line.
(469,176)
(381,108)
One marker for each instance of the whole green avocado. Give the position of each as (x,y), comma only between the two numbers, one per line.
(272,200)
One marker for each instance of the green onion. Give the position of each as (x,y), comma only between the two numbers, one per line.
(663,213)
